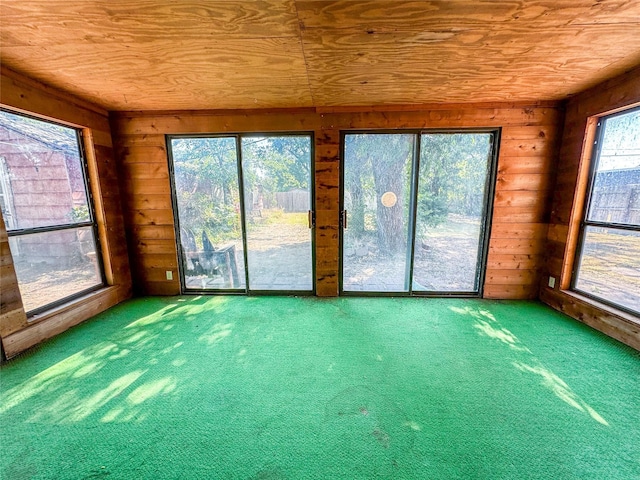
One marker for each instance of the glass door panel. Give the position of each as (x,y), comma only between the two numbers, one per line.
(376,199)
(207,198)
(276,173)
(450,211)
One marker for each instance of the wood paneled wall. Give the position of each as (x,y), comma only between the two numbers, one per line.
(525,171)
(24,95)
(12,315)
(582,113)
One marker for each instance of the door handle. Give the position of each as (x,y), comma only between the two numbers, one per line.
(311,218)
(343,219)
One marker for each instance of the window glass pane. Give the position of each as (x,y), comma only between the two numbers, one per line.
(616,187)
(41,174)
(51,266)
(377,183)
(276,172)
(609,266)
(208,200)
(450,211)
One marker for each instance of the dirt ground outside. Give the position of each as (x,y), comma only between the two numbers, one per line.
(605,268)
(42,284)
(445,260)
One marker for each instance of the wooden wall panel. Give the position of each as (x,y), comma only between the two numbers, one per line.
(24,95)
(568,203)
(327,209)
(525,173)
(12,315)
(152,207)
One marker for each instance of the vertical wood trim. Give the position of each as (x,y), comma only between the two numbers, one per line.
(579,200)
(12,314)
(98,204)
(327,202)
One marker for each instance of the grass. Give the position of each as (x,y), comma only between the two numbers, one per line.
(279,217)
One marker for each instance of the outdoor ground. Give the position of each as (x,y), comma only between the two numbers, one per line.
(280,258)
(280,255)
(445,260)
(40,285)
(605,270)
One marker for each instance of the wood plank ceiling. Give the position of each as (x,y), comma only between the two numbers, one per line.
(191,55)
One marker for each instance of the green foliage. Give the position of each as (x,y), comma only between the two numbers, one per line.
(219,220)
(453,169)
(275,164)
(432,210)
(207,182)
(207,186)
(79,214)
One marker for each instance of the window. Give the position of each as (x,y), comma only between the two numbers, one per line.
(608,261)
(47,212)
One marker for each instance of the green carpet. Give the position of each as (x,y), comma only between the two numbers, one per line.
(295,388)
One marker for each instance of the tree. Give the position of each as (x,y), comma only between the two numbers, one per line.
(386,156)
(205,171)
(452,177)
(453,170)
(389,158)
(207,181)
(356,174)
(280,163)
(275,164)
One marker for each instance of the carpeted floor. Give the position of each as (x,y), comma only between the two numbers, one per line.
(295,388)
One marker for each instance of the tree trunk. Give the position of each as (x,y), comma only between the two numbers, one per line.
(356,216)
(388,175)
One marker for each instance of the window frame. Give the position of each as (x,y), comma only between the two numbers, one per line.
(92,222)
(585,222)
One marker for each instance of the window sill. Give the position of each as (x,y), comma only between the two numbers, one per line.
(55,321)
(72,305)
(608,309)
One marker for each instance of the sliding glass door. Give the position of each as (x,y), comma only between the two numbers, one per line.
(276,173)
(415,211)
(451,211)
(377,193)
(243,207)
(208,212)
